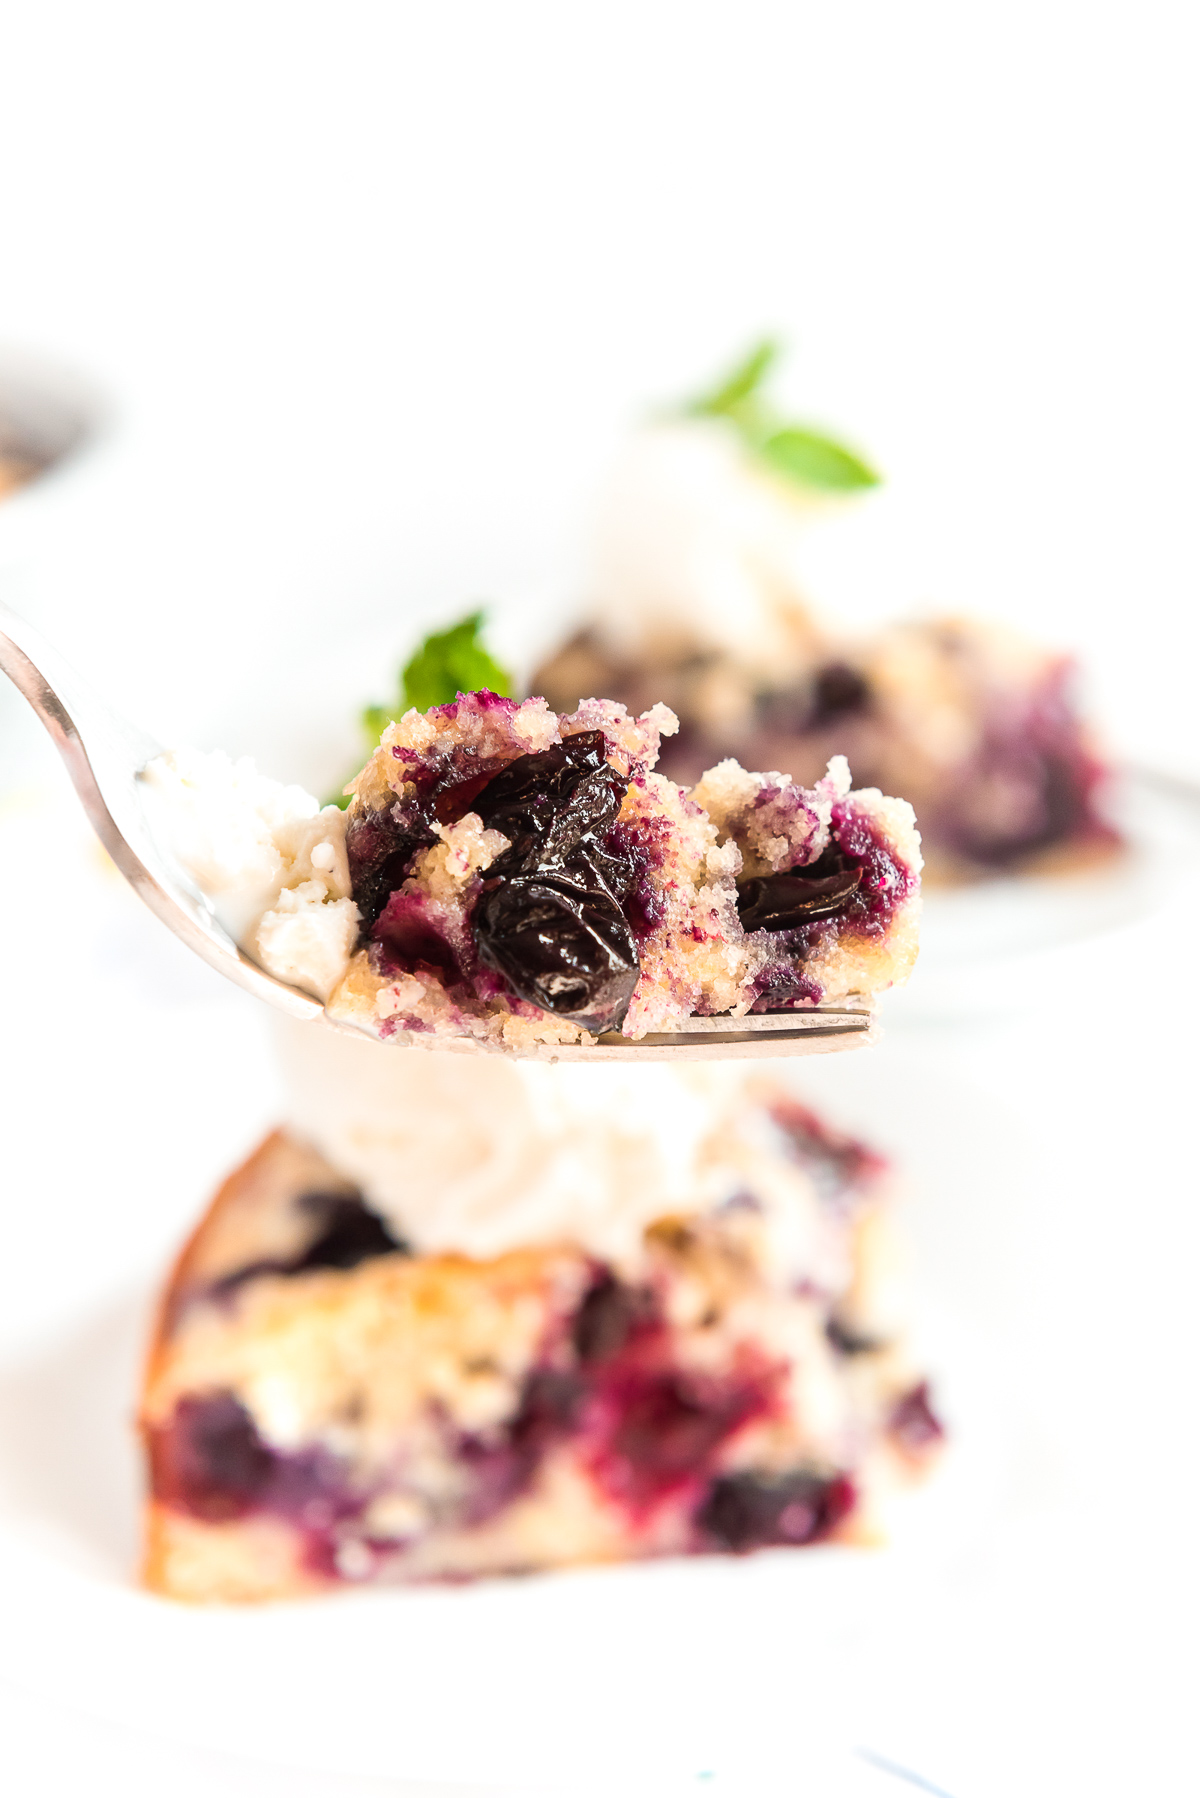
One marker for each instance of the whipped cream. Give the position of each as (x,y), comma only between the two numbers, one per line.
(268,857)
(481,1154)
(694,541)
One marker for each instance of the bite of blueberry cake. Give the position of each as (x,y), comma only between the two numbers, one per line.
(528,878)
(326,1407)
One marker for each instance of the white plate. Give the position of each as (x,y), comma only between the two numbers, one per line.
(984,946)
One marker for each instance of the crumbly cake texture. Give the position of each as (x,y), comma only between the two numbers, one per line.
(323,1408)
(975,725)
(528,878)
(270,858)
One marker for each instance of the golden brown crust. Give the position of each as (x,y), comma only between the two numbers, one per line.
(231,1229)
(223,1563)
(225,1236)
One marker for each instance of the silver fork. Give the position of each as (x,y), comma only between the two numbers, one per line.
(105,756)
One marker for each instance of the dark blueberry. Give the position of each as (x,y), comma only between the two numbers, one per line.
(1016,801)
(503,1464)
(347,1232)
(380,847)
(759,1510)
(550,1400)
(787,901)
(560,945)
(350,1233)
(850,1342)
(210,1459)
(667,1426)
(835,693)
(610,1313)
(1033,781)
(550,918)
(914,1423)
(856,883)
(839,691)
(885,881)
(783,986)
(549,802)
(410,933)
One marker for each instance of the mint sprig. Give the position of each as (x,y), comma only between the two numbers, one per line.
(741,385)
(446,664)
(801,453)
(449,663)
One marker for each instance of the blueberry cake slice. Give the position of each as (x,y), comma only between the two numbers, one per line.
(325,1407)
(527,878)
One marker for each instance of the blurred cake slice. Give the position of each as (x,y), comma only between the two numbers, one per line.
(700,595)
(325,1407)
(975,725)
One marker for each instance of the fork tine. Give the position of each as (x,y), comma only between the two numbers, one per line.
(104,755)
(824,1030)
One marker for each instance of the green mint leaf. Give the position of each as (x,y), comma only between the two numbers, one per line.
(741,385)
(375,720)
(449,663)
(813,460)
(800,454)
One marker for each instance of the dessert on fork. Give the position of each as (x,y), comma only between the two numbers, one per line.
(525,880)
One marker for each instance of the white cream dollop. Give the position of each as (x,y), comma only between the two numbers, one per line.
(270,859)
(481,1154)
(694,542)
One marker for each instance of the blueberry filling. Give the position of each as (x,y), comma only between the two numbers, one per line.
(347,1233)
(914,1423)
(1018,799)
(608,1317)
(757,1510)
(839,691)
(835,693)
(504,1465)
(211,1461)
(350,1233)
(851,1342)
(802,895)
(380,847)
(550,918)
(836,1164)
(664,1424)
(855,883)
(646,1429)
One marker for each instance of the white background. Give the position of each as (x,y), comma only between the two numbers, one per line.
(373,291)
(374,288)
